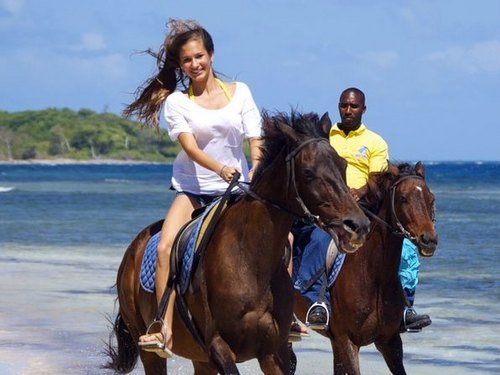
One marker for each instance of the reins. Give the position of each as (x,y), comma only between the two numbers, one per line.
(290,170)
(306,214)
(400,231)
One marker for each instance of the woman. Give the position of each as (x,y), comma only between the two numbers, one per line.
(210,119)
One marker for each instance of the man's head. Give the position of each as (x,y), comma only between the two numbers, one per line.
(351,109)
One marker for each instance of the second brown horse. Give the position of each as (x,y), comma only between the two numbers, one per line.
(367,298)
(244,305)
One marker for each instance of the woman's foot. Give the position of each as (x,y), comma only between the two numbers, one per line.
(297,331)
(155,342)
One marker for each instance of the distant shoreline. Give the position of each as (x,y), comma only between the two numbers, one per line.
(78,162)
(105,161)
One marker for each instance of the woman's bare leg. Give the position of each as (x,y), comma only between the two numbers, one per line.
(178,214)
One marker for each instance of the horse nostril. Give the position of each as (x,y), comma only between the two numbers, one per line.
(349,226)
(359,227)
(428,240)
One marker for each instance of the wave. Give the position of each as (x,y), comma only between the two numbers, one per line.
(5,189)
(118,180)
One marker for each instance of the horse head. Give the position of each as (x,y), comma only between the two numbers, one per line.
(316,188)
(412,205)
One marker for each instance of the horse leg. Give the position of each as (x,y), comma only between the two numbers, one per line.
(277,363)
(222,356)
(203,368)
(345,357)
(293,360)
(153,364)
(392,351)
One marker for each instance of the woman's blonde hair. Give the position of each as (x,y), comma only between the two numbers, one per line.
(151,94)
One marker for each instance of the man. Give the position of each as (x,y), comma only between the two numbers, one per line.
(365,152)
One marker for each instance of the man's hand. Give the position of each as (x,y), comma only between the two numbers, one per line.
(357,194)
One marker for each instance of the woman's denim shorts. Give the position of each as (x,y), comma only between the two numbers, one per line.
(202,199)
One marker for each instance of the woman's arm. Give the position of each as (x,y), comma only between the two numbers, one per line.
(255,144)
(190,147)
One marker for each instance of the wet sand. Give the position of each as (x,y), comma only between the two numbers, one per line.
(54,304)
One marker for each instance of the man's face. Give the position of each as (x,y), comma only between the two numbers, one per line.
(351,109)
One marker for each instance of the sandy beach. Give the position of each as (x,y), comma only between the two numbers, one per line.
(58,324)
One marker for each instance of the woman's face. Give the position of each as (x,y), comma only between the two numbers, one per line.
(195,61)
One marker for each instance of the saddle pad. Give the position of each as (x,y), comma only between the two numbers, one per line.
(148,266)
(337,266)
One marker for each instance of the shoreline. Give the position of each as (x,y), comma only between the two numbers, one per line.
(79,162)
(105,161)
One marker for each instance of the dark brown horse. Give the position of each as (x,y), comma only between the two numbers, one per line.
(367,298)
(244,304)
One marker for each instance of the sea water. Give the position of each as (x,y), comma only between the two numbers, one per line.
(64,229)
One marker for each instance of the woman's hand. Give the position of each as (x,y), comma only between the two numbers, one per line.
(227,172)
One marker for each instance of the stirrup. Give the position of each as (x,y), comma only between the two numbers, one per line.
(406,328)
(158,347)
(313,326)
(154,322)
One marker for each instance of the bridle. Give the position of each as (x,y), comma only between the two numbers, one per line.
(306,214)
(399,230)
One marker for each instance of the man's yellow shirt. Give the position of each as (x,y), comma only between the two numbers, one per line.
(365,152)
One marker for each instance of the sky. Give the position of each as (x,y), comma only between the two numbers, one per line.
(430,69)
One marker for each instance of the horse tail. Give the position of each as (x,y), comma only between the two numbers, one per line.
(123,358)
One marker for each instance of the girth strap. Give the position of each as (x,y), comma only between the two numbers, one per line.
(207,234)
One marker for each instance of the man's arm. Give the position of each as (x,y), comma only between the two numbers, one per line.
(379,159)
(379,156)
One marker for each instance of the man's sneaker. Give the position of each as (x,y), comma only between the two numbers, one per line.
(317,316)
(413,322)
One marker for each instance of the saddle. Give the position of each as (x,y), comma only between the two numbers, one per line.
(187,250)
(190,243)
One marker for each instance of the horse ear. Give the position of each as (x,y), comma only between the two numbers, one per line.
(288,131)
(392,169)
(419,167)
(326,124)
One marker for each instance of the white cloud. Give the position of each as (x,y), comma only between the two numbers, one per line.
(481,57)
(382,59)
(12,6)
(107,68)
(90,42)
(38,66)
(409,17)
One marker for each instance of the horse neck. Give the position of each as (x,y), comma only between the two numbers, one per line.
(269,187)
(274,186)
(389,252)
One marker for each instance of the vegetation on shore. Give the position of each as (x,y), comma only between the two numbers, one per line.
(81,135)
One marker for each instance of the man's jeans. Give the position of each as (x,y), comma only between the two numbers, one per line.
(309,256)
(310,248)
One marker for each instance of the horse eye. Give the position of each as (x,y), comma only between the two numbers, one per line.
(309,174)
(403,199)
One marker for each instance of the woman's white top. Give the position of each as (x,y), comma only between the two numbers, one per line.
(218,132)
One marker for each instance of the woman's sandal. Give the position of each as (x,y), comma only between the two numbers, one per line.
(157,344)
(297,331)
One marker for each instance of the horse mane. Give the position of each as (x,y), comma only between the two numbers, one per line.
(305,125)
(379,183)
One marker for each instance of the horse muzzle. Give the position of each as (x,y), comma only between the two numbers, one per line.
(427,244)
(348,237)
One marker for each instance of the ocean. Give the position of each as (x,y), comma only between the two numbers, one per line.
(64,229)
